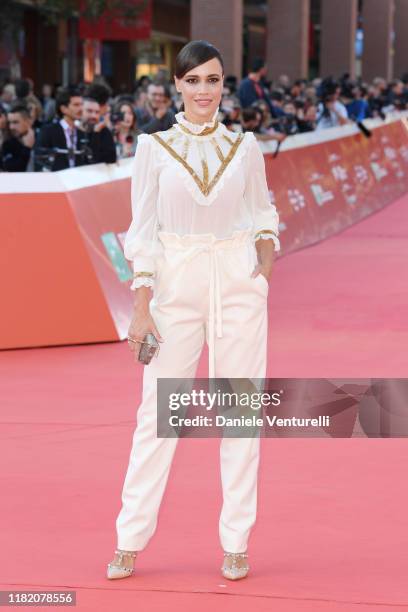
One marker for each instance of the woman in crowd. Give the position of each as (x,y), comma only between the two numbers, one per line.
(125,129)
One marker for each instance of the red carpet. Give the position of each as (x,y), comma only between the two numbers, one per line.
(332,532)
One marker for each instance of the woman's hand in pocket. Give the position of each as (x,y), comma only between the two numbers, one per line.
(262,269)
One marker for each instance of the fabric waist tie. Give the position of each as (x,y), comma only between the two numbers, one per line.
(193,244)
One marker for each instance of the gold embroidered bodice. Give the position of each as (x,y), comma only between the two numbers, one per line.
(205,158)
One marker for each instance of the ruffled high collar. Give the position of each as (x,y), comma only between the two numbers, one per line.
(196,128)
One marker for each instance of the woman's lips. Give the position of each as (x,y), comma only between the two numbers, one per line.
(203,102)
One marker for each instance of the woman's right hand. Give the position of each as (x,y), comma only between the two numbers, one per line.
(142,321)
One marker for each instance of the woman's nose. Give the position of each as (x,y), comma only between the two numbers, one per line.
(203,89)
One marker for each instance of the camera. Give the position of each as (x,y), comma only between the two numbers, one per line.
(44,157)
(287,124)
(117,117)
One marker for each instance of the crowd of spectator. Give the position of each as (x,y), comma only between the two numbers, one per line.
(88,123)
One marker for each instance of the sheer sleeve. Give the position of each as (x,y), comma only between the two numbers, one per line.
(264,214)
(141,243)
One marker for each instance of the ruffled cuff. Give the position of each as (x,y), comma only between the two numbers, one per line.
(265,235)
(139,281)
(143,272)
(142,276)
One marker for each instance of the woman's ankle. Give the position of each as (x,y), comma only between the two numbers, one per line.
(125,558)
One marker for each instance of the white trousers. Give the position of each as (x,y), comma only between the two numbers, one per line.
(203,291)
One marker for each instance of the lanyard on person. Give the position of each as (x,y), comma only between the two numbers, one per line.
(71,140)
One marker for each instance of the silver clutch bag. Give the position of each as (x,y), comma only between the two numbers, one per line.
(149,347)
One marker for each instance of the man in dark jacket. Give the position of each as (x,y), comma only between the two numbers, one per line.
(251,88)
(100,139)
(62,142)
(17,150)
(156,115)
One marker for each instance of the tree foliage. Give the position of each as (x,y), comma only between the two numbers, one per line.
(128,10)
(11,11)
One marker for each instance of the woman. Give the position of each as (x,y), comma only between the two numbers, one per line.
(200,203)
(126,131)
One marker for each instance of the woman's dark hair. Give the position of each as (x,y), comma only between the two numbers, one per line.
(195,53)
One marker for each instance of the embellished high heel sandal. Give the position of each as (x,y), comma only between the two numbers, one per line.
(233,571)
(117,570)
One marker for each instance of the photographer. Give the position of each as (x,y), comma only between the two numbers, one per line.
(252,121)
(125,128)
(97,134)
(330,111)
(306,116)
(62,144)
(287,123)
(396,96)
(377,98)
(17,150)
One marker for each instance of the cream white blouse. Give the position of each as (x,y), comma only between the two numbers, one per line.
(196,179)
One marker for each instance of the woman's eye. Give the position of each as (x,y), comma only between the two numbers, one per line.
(212,80)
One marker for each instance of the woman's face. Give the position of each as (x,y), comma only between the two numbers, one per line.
(127,116)
(201,89)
